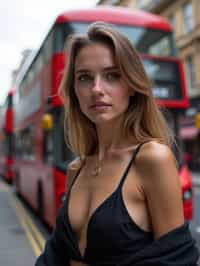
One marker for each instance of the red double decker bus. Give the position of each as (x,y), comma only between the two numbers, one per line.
(6,138)
(41,155)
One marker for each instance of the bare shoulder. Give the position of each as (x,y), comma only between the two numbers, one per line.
(72,169)
(74,165)
(154,154)
(155,161)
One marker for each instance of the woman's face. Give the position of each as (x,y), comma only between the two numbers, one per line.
(102,94)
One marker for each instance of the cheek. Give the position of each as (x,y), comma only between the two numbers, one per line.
(78,95)
(122,95)
(82,99)
(123,101)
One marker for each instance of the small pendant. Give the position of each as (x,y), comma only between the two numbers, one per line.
(96,171)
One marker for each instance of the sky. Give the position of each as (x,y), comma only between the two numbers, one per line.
(23,25)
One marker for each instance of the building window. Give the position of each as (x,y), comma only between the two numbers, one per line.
(188,17)
(141,3)
(172,21)
(190,71)
(115,2)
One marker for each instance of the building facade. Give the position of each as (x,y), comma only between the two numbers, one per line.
(184,17)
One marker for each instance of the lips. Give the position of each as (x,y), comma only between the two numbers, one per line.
(100,104)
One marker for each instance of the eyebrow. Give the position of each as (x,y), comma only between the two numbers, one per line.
(85,70)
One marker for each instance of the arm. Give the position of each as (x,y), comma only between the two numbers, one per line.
(157,170)
(173,243)
(72,170)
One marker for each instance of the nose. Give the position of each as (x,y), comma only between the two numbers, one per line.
(98,85)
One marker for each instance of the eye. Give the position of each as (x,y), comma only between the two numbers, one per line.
(112,76)
(84,78)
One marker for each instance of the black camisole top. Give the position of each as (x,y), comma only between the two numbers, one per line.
(111,233)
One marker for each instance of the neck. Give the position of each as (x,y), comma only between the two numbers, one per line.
(110,138)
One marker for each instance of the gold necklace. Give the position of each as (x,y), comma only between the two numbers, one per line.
(97,169)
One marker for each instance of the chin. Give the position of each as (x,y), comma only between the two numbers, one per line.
(104,120)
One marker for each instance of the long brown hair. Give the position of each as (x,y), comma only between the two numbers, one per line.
(143,119)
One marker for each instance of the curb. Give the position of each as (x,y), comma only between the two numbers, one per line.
(34,236)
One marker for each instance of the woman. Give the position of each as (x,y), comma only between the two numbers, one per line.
(124,203)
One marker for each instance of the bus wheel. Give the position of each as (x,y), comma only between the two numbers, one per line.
(40,209)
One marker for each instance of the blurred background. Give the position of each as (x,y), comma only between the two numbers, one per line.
(33,154)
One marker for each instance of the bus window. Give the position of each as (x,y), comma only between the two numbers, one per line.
(47,49)
(24,144)
(146,41)
(62,152)
(9,145)
(66,153)
(48,146)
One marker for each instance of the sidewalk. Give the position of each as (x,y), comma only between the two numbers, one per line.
(15,249)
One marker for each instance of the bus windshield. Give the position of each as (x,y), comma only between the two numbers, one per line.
(146,41)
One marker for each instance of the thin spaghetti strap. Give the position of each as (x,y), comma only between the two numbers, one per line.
(74,179)
(135,152)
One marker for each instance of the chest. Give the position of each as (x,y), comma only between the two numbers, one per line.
(89,193)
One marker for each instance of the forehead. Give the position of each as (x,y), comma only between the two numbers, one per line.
(95,55)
